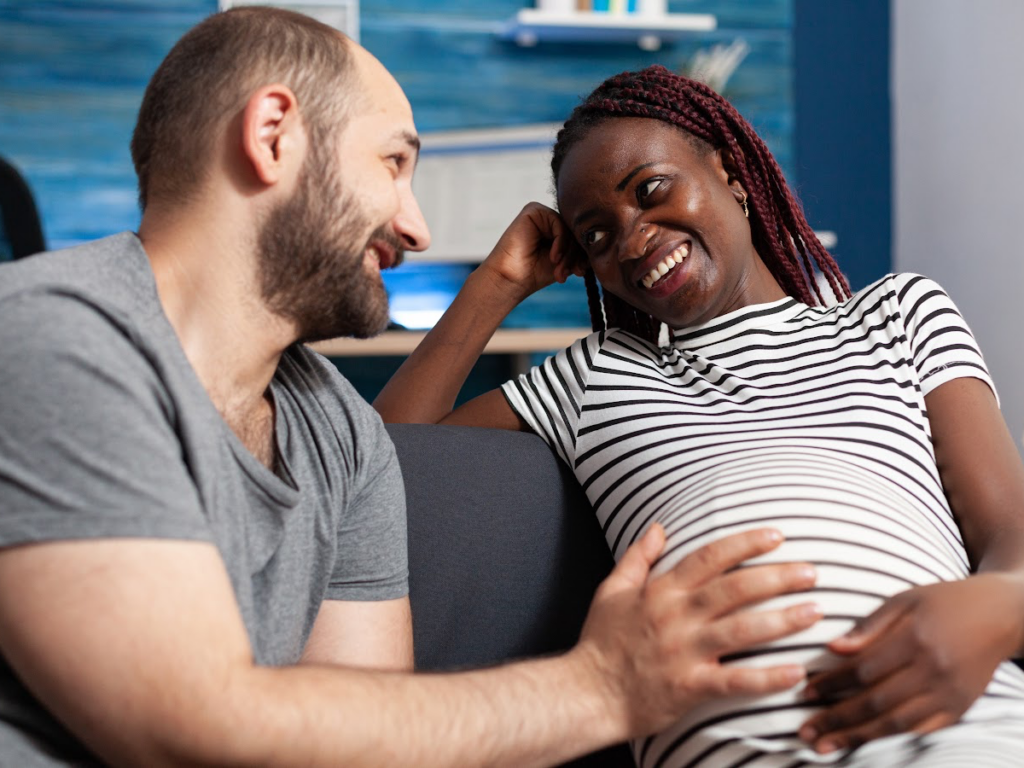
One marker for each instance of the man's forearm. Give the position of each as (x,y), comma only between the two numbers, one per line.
(137,647)
(534,713)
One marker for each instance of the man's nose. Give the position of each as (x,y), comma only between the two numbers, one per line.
(410,225)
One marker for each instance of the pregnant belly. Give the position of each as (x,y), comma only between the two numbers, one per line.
(862,554)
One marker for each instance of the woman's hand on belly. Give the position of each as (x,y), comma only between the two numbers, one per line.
(655,642)
(917,663)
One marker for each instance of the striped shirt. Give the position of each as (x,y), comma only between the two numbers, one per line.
(811,420)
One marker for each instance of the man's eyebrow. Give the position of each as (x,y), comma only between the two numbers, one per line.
(411,139)
(622,184)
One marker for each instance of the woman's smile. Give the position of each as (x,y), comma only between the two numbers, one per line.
(664,264)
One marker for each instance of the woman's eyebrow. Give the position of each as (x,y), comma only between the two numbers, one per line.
(583,215)
(622,184)
(618,188)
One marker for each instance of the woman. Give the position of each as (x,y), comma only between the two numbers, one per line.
(867,431)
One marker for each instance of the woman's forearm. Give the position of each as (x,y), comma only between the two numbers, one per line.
(1003,559)
(424,388)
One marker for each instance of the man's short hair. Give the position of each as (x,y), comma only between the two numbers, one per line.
(210,73)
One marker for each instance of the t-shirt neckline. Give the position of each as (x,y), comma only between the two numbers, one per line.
(282,490)
(744,318)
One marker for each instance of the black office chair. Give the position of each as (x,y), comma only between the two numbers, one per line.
(21,232)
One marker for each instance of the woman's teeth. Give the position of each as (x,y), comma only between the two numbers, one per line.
(666,265)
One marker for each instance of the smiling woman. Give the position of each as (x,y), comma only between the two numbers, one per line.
(663,219)
(718,141)
(865,429)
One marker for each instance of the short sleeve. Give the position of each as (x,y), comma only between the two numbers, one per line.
(87,444)
(372,558)
(941,343)
(549,397)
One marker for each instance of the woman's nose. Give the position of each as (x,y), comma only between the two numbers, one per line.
(635,245)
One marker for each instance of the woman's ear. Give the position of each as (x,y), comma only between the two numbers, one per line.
(725,165)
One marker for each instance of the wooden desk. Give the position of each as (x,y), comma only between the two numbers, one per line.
(519,343)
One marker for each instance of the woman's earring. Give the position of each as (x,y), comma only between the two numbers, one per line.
(743,202)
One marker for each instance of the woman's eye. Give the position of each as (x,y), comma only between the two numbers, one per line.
(593,237)
(647,188)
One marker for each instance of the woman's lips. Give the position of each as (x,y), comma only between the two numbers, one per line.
(665,265)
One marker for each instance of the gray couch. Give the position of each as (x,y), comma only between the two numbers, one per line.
(504,550)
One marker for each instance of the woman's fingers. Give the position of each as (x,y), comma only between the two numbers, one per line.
(875,662)
(898,704)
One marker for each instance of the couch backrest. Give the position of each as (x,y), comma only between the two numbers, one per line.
(504,550)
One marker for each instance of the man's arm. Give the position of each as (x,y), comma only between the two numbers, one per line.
(137,646)
(367,634)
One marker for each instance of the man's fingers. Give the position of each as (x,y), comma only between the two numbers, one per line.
(746,586)
(633,568)
(747,629)
(748,681)
(719,556)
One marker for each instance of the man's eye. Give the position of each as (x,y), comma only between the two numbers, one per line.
(647,188)
(593,237)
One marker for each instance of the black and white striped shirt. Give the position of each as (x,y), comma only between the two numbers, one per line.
(811,420)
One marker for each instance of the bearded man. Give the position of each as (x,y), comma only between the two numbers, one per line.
(202,531)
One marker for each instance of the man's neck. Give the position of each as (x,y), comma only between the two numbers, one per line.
(208,283)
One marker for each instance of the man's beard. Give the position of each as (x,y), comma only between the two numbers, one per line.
(311,269)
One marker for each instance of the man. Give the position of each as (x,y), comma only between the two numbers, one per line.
(202,541)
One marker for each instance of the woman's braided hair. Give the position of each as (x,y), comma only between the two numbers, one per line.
(780,233)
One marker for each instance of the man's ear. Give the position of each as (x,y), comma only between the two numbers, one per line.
(725,166)
(273,137)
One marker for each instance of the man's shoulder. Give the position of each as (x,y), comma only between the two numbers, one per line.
(87,312)
(111,274)
(308,372)
(319,397)
(311,377)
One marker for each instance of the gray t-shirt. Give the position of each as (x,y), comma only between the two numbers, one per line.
(105,431)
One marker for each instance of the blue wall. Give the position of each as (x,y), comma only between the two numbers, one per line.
(72,74)
(842,131)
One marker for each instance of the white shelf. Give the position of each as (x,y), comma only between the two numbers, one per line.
(531,26)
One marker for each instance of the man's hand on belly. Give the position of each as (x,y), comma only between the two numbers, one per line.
(656,642)
(915,664)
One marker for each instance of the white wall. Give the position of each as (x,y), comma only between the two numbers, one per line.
(958,157)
